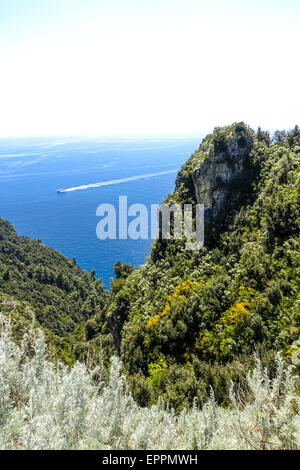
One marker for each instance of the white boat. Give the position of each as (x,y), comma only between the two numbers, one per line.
(61,190)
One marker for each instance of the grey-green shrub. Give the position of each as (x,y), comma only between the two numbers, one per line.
(48,406)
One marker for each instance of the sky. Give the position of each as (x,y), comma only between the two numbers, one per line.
(120,67)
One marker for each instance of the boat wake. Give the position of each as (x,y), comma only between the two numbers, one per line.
(121,180)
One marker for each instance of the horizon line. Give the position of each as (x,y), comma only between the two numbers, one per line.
(129,135)
(105,136)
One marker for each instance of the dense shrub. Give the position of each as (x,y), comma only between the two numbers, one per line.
(43,406)
(61,294)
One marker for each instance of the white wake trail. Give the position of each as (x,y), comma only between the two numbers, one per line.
(122,180)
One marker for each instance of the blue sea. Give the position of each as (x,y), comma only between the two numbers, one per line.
(31,171)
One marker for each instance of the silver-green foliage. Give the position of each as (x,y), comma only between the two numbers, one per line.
(45,406)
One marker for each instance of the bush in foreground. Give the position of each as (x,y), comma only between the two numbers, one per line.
(49,406)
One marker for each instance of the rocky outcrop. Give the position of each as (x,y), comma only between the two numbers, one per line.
(212,180)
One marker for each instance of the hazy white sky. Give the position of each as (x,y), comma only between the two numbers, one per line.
(75,67)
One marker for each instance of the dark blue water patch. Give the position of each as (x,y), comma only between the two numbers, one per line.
(31,171)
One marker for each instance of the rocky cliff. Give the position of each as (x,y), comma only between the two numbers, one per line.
(214,172)
(213,178)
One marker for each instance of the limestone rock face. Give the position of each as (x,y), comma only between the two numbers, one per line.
(213,178)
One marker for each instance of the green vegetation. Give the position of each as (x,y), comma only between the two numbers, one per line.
(199,316)
(185,321)
(51,406)
(61,294)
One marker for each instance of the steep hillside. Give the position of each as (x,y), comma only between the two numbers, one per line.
(61,294)
(187,320)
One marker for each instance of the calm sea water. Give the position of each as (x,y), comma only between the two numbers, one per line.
(31,171)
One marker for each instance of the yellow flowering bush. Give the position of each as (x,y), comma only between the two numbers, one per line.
(237,313)
(226,331)
(179,297)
